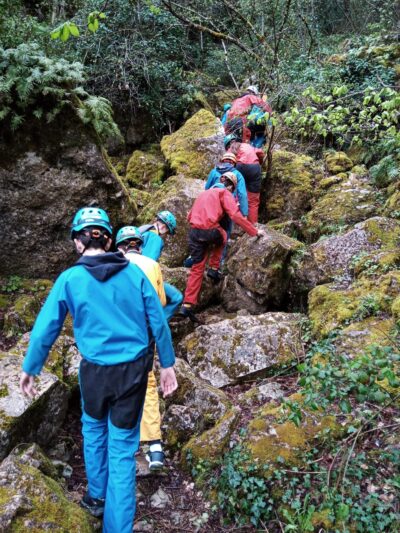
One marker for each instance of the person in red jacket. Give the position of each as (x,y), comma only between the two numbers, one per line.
(207,236)
(241,107)
(249,160)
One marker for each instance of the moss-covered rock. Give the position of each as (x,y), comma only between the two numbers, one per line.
(210,445)
(373,243)
(177,195)
(31,499)
(220,98)
(234,349)
(392,205)
(354,339)
(330,307)
(350,201)
(271,441)
(336,162)
(24,419)
(257,272)
(199,405)
(196,147)
(291,185)
(145,169)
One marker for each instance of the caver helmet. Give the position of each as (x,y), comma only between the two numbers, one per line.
(89,217)
(168,219)
(128,233)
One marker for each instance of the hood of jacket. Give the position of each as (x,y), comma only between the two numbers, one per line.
(103,266)
(225,167)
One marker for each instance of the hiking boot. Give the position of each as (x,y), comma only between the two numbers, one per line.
(95,506)
(188,262)
(215,275)
(187,312)
(155,456)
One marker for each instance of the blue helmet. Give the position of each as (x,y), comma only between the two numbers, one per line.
(168,219)
(229,138)
(90,216)
(127,233)
(227,107)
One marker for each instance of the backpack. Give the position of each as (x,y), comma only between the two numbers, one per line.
(145,227)
(234,126)
(257,119)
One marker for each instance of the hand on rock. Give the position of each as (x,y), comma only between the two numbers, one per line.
(26,385)
(261,233)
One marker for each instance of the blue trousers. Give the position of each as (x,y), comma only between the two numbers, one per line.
(111,470)
(174,300)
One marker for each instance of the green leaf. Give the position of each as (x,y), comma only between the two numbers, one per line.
(91,27)
(345,406)
(65,33)
(55,34)
(73,28)
(102,16)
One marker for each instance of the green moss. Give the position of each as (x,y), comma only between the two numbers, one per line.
(3,391)
(395,309)
(337,162)
(182,150)
(4,302)
(386,235)
(145,169)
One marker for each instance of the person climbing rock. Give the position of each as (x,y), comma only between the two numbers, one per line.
(237,118)
(207,236)
(129,241)
(153,244)
(249,160)
(113,306)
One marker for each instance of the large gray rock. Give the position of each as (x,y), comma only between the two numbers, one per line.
(337,256)
(195,407)
(231,350)
(24,419)
(257,272)
(177,195)
(47,172)
(178,277)
(32,500)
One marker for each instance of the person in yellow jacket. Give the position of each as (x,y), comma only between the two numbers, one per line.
(129,241)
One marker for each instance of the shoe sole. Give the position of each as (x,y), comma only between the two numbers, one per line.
(94,512)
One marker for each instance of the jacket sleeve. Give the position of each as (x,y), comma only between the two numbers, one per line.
(242,194)
(158,324)
(230,207)
(152,245)
(46,329)
(256,100)
(260,154)
(212,178)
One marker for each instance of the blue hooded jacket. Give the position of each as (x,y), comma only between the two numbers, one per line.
(112,304)
(153,244)
(240,192)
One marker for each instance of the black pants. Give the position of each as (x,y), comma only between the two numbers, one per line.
(117,389)
(200,241)
(252,176)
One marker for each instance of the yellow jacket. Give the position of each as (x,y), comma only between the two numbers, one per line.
(152,270)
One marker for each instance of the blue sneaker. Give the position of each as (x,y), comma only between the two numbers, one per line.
(95,506)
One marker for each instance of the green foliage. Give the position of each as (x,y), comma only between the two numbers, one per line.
(69,28)
(32,84)
(12,284)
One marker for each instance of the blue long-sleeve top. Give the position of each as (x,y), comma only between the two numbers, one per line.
(240,192)
(111,315)
(153,244)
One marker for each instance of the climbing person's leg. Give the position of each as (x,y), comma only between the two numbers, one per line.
(174,300)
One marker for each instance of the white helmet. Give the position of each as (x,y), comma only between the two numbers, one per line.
(253,89)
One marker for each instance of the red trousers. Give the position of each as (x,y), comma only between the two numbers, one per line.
(254,203)
(203,245)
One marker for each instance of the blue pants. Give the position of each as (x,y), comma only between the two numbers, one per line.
(111,470)
(174,300)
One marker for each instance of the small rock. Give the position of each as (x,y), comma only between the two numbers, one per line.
(160,499)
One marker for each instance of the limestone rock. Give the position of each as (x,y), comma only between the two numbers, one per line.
(32,500)
(257,272)
(47,173)
(346,255)
(210,445)
(23,418)
(331,306)
(271,441)
(145,169)
(291,186)
(355,339)
(350,201)
(337,162)
(261,393)
(234,349)
(196,147)
(177,195)
(195,407)
(160,499)
(178,278)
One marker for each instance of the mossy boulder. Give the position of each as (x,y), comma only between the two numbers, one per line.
(350,201)
(199,405)
(392,205)
(210,445)
(336,162)
(355,339)
(271,441)
(331,307)
(32,499)
(371,242)
(235,349)
(177,195)
(220,98)
(24,419)
(257,272)
(291,186)
(196,147)
(145,170)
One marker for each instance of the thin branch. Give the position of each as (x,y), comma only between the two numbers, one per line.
(228,66)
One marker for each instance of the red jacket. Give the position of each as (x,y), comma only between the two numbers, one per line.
(241,106)
(211,205)
(248,155)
